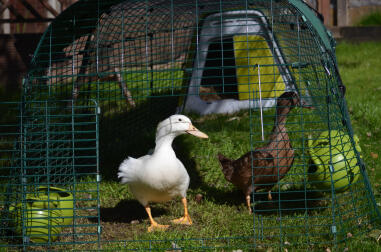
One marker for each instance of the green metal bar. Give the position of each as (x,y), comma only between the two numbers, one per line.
(333,192)
(23,183)
(47,167)
(314,22)
(97,113)
(73,167)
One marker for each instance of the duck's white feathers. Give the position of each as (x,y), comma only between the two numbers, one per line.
(155,178)
(127,169)
(161,176)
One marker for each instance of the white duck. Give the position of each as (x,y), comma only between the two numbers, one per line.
(161,176)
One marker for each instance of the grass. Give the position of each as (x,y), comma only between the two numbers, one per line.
(358,66)
(373,19)
(221,220)
(359,72)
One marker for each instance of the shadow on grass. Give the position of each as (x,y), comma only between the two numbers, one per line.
(286,203)
(223,197)
(290,202)
(131,133)
(183,151)
(128,210)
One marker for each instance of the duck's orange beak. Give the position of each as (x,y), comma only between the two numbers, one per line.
(194,131)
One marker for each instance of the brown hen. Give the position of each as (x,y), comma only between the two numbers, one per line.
(271,162)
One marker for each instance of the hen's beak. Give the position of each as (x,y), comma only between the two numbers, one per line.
(194,131)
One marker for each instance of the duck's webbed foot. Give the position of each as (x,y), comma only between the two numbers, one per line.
(157,227)
(186,219)
(154,225)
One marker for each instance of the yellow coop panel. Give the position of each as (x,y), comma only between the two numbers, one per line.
(250,50)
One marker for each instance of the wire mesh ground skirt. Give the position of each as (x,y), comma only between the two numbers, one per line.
(259,77)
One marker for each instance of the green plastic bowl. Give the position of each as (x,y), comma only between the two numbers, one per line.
(344,169)
(61,198)
(43,214)
(39,223)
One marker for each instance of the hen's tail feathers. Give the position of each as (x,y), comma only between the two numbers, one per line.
(127,170)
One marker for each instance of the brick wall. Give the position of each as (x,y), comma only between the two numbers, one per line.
(15,55)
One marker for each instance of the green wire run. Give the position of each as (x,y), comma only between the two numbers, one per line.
(105,73)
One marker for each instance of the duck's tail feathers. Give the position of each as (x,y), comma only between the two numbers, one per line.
(127,170)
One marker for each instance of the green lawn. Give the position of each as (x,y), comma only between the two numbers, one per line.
(359,67)
(372,19)
(221,219)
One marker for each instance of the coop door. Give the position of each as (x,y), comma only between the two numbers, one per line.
(256,69)
(60,163)
(219,76)
(231,70)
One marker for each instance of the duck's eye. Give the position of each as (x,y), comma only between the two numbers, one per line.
(180,120)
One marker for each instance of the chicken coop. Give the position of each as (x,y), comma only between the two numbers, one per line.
(260,77)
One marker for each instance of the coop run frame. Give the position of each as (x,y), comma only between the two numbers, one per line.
(106,72)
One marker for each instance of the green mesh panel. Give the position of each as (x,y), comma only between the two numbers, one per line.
(106,72)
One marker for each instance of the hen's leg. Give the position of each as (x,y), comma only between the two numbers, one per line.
(154,225)
(248,203)
(186,220)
